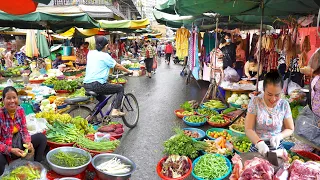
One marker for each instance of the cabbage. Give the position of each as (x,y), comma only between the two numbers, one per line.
(232,99)
(243,96)
(246,101)
(45,102)
(234,95)
(239,102)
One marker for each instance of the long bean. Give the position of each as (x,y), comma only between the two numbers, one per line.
(97,146)
(211,166)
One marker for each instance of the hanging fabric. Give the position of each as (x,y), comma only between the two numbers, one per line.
(196,64)
(182,36)
(209,42)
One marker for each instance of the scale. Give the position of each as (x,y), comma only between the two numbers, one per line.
(26,104)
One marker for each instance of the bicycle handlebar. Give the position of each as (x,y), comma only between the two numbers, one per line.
(119,75)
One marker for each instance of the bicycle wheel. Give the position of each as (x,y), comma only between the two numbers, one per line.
(131,108)
(82,111)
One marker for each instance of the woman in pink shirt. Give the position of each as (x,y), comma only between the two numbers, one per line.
(169,51)
(241,59)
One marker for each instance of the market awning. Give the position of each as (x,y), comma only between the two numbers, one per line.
(19,7)
(79,32)
(39,20)
(124,24)
(167,7)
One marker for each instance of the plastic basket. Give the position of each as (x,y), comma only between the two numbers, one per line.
(213,124)
(235,105)
(159,169)
(220,178)
(217,130)
(195,124)
(180,115)
(308,155)
(200,132)
(54,145)
(235,132)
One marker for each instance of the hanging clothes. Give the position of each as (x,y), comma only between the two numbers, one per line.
(247,45)
(209,42)
(196,68)
(254,42)
(182,36)
(191,51)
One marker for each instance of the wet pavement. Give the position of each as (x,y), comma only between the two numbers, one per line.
(158,97)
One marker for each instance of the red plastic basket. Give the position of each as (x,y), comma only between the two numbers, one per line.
(93,152)
(308,155)
(51,175)
(159,169)
(54,145)
(180,115)
(213,124)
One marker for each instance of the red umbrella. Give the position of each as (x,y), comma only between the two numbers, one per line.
(19,7)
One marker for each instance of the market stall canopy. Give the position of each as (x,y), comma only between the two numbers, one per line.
(79,32)
(149,35)
(167,7)
(39,20)
(246,7)
(19,7)
(124,24)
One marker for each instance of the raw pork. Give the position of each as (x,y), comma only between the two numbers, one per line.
(257,168)
(237,167)
(306,171)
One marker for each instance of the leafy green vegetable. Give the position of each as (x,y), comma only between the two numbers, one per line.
(295,111)
(206,112)
(186,106)
(97,146)
(183,145)
(69,159)
(217,119)
(195,119)
(50,81)
(27,172)
(211,166)
(63,133)
(78,93)
(65,85)
(231,109)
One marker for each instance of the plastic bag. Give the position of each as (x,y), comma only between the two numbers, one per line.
(36,125)
(25,172)
(99,136)
(307,125)
(231,75)
(9,83)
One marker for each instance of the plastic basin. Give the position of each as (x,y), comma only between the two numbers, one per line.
(159,169)
(217,130)
(195,124)
(200,132)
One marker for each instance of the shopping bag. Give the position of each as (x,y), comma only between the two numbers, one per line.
(155,64)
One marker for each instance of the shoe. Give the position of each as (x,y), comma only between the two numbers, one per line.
(149,76)
(117,113)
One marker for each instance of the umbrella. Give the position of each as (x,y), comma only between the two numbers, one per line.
(31,44)
(42,45)
(19,7)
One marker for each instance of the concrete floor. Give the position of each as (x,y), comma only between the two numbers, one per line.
(158,97)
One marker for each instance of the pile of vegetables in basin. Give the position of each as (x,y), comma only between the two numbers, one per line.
(189,105)
(238,99)
(69,159)
(210,166)
(217,119)
(241,143)
(214,104)
(50,81)
(183,145)
(78,93)
(119,80)
(175,166)
(206,112)
(65,85)
(114,167)
(46,106)
(220,146)
(25,172)
(216,134)
(104,145)
(63,133)
(195,119)
(193,134)
(238,127)
(229,110)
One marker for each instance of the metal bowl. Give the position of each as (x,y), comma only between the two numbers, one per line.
(99,159)
(68,171)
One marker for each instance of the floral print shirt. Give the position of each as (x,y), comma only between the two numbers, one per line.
(269,121)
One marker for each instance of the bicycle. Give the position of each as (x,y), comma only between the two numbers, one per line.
(127,106)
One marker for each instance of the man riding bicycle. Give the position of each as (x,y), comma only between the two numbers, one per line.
(99,63)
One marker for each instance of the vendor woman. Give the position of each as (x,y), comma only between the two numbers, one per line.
(269,119)
(251,68)
(14,133)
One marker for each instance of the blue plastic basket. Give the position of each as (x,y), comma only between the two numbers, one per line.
(287,145)
(218,130)
(220,178)
(201,133)
(194,124)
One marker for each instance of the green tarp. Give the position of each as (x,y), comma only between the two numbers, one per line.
(167,7)
(242,7)
(39,20)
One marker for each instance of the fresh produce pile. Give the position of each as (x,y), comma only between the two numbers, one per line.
(206,112)
(241,143)
(65,85)
(175,166)
(119,80)
(16,71)
(193,134)
(97,145)
(294,156)
(63,133)
(135,65)
(27,172)
(114,167)
(112,129)
(238,127)
(211,166)
(50,81)
(46,106)
(183,145)
(80,123)
(78,93)
(220,146)
(186,113)
(214,104)
(228,110)
(295,108)
(238,99)
(69,159)
(59,101)
(216,134)
(190,105)
(217,119)
(195,119)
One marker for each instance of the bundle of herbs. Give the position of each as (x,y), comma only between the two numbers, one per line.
(183,145)
(63,133)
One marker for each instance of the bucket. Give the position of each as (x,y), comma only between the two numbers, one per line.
(67,50)
(48,64)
